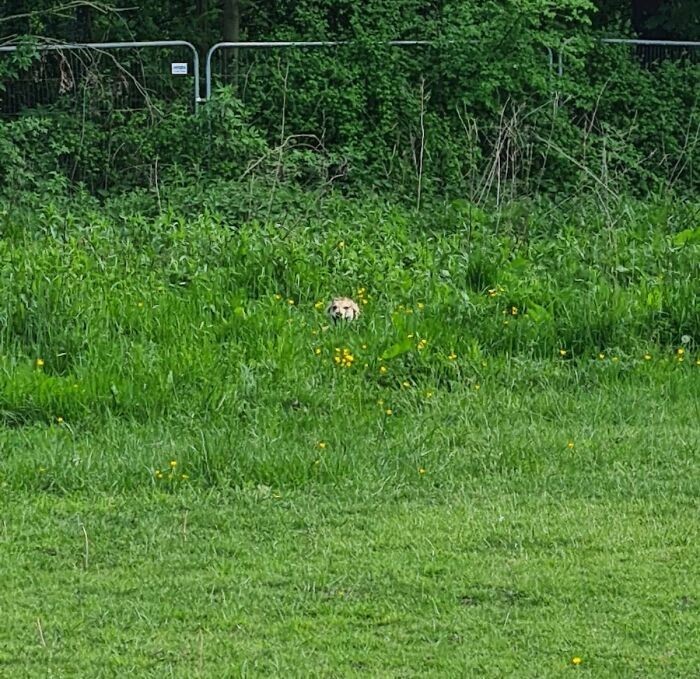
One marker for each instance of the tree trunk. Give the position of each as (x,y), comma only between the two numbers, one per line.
(231,32)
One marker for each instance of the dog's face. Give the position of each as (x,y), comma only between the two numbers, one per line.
(343,309)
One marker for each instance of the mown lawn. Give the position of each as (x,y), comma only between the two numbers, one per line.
(556,537)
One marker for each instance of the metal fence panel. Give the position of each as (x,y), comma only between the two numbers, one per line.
(91,76)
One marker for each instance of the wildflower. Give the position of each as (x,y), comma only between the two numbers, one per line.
(420,306)
(184,477)
(409,336)
(322,445)
(364,346)
(422,344)
(429,393)
(406,384)
(389,412)
(601,356)
(59,420)
(570,445)
(421,470)
(452,356)
(647,357)
(140,305)
(514,311)
(477,386)
(563,352)
(341,245)
(173,464)
(319,305)
(39,363)
(278,297)
(363,301)
(290,302)
(383,370)
(576,660)
(317,351)
(158,474)
(361,291)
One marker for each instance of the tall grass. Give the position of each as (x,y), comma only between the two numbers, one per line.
(113,313)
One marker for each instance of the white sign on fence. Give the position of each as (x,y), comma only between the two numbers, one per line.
(178,68)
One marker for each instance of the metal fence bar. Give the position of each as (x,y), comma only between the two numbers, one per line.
(124,45)
(273,45)
(657,43)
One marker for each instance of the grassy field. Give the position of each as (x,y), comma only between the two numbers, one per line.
(493,472)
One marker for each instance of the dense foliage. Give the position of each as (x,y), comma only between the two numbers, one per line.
(509,99)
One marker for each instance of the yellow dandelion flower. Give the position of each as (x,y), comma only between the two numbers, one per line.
(563,352)
(290,302)
(514,311)
(647,357)
(389,412)
(680,351)
(576,660)
(601,356)
(421,470)
(322,445)
(319,305)
(364,346)
(406,384)
(570,445)
(278,297)
(420,306)
(341,245)
(39,362)
(477,386)
(452,356)
(383,370)
(429,393)
(422,344)
(317,351)
(59,420)
(173,464)
(184,477)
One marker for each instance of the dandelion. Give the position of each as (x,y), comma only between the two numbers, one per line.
(173,464)
(514,311)
(570,445)
(406,384)
(317,351)
(576,660)
(601,356)
(158,474)
(319,305)
(59,421)
(429,393)
(452,356)
(421,470)
(184,477)
(388,412)
(422,344)
(322,445)
(290,302)
(563,352)
(278,297)
(341,245)
(647,357)
(477,386)
(383,370)
(420,306)
(364,346)
(39,363)
(140,305)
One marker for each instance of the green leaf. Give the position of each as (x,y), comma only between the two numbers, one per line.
(397,349)
(687,236)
